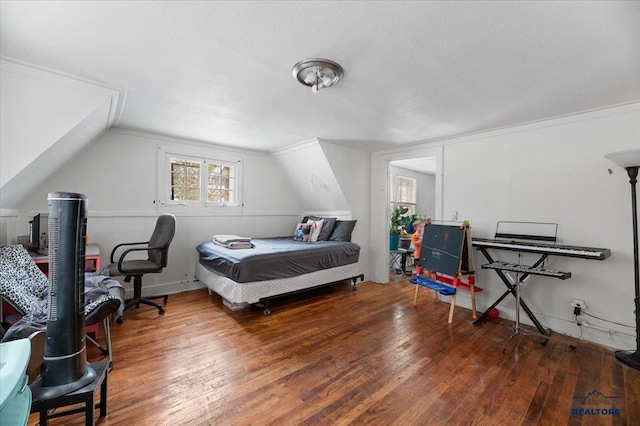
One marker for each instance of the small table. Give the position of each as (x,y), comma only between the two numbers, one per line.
(399,260)
(91,258)
(83,395)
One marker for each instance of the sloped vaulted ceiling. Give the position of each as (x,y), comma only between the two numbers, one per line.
(47,119)
(310,175)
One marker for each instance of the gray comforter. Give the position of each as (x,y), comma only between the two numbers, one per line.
(274,258)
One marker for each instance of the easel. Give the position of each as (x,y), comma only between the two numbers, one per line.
(446,256)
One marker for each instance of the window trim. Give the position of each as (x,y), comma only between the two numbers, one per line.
(408,182)
(233,176)
(394,192)
(204,157)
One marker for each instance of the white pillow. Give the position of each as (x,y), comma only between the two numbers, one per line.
(316,227)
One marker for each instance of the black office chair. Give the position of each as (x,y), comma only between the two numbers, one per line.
(158,253)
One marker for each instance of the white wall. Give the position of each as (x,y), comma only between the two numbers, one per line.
(8,226)
(118,173)
(554,171)
(309,173)
(331,179)
(352,169)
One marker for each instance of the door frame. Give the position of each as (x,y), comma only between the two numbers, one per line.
(379,247)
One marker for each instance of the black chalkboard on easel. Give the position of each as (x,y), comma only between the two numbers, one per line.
(445,249)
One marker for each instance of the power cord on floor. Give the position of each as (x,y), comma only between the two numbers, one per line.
(609,321)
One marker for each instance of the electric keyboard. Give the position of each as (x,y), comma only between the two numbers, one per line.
(541,242)
(523,269)
(558,250)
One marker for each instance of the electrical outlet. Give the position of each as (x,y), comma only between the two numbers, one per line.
(578,307)
(577,303)
(454,215)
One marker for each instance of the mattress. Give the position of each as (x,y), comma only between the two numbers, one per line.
(276,258)
(254,292)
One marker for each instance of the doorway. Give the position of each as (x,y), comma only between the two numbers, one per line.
(382,164)
(412,184)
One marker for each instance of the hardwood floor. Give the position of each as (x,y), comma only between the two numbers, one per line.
(333,356)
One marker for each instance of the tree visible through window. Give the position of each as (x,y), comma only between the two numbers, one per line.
(193,181)
(185,180)
(220,183)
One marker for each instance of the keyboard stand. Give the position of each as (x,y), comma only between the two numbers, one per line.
(514,289)
(516,328)
(516,283)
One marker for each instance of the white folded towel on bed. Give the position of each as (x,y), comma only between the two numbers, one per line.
(230,238)
(233,241)
(235,244)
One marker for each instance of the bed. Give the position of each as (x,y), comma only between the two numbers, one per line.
(274,267)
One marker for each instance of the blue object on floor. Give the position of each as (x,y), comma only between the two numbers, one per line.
(443,289)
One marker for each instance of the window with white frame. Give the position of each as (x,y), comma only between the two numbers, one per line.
(403,192)
(197,181)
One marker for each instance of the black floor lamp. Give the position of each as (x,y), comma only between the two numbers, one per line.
(630,161)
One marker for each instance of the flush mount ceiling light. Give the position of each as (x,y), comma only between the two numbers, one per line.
(317,73)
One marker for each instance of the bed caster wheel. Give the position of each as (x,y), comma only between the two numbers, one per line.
(119,321)
(161,311)
(267,312)
(165,299)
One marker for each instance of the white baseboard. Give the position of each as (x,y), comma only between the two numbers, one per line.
(166,288)
(602,334)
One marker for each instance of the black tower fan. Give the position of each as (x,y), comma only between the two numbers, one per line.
(65,367)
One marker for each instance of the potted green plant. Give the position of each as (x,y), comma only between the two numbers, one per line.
(398,219)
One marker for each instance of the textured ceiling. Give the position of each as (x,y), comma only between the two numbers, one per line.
(414,71)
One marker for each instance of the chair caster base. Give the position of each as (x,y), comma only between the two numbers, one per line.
(144,301)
